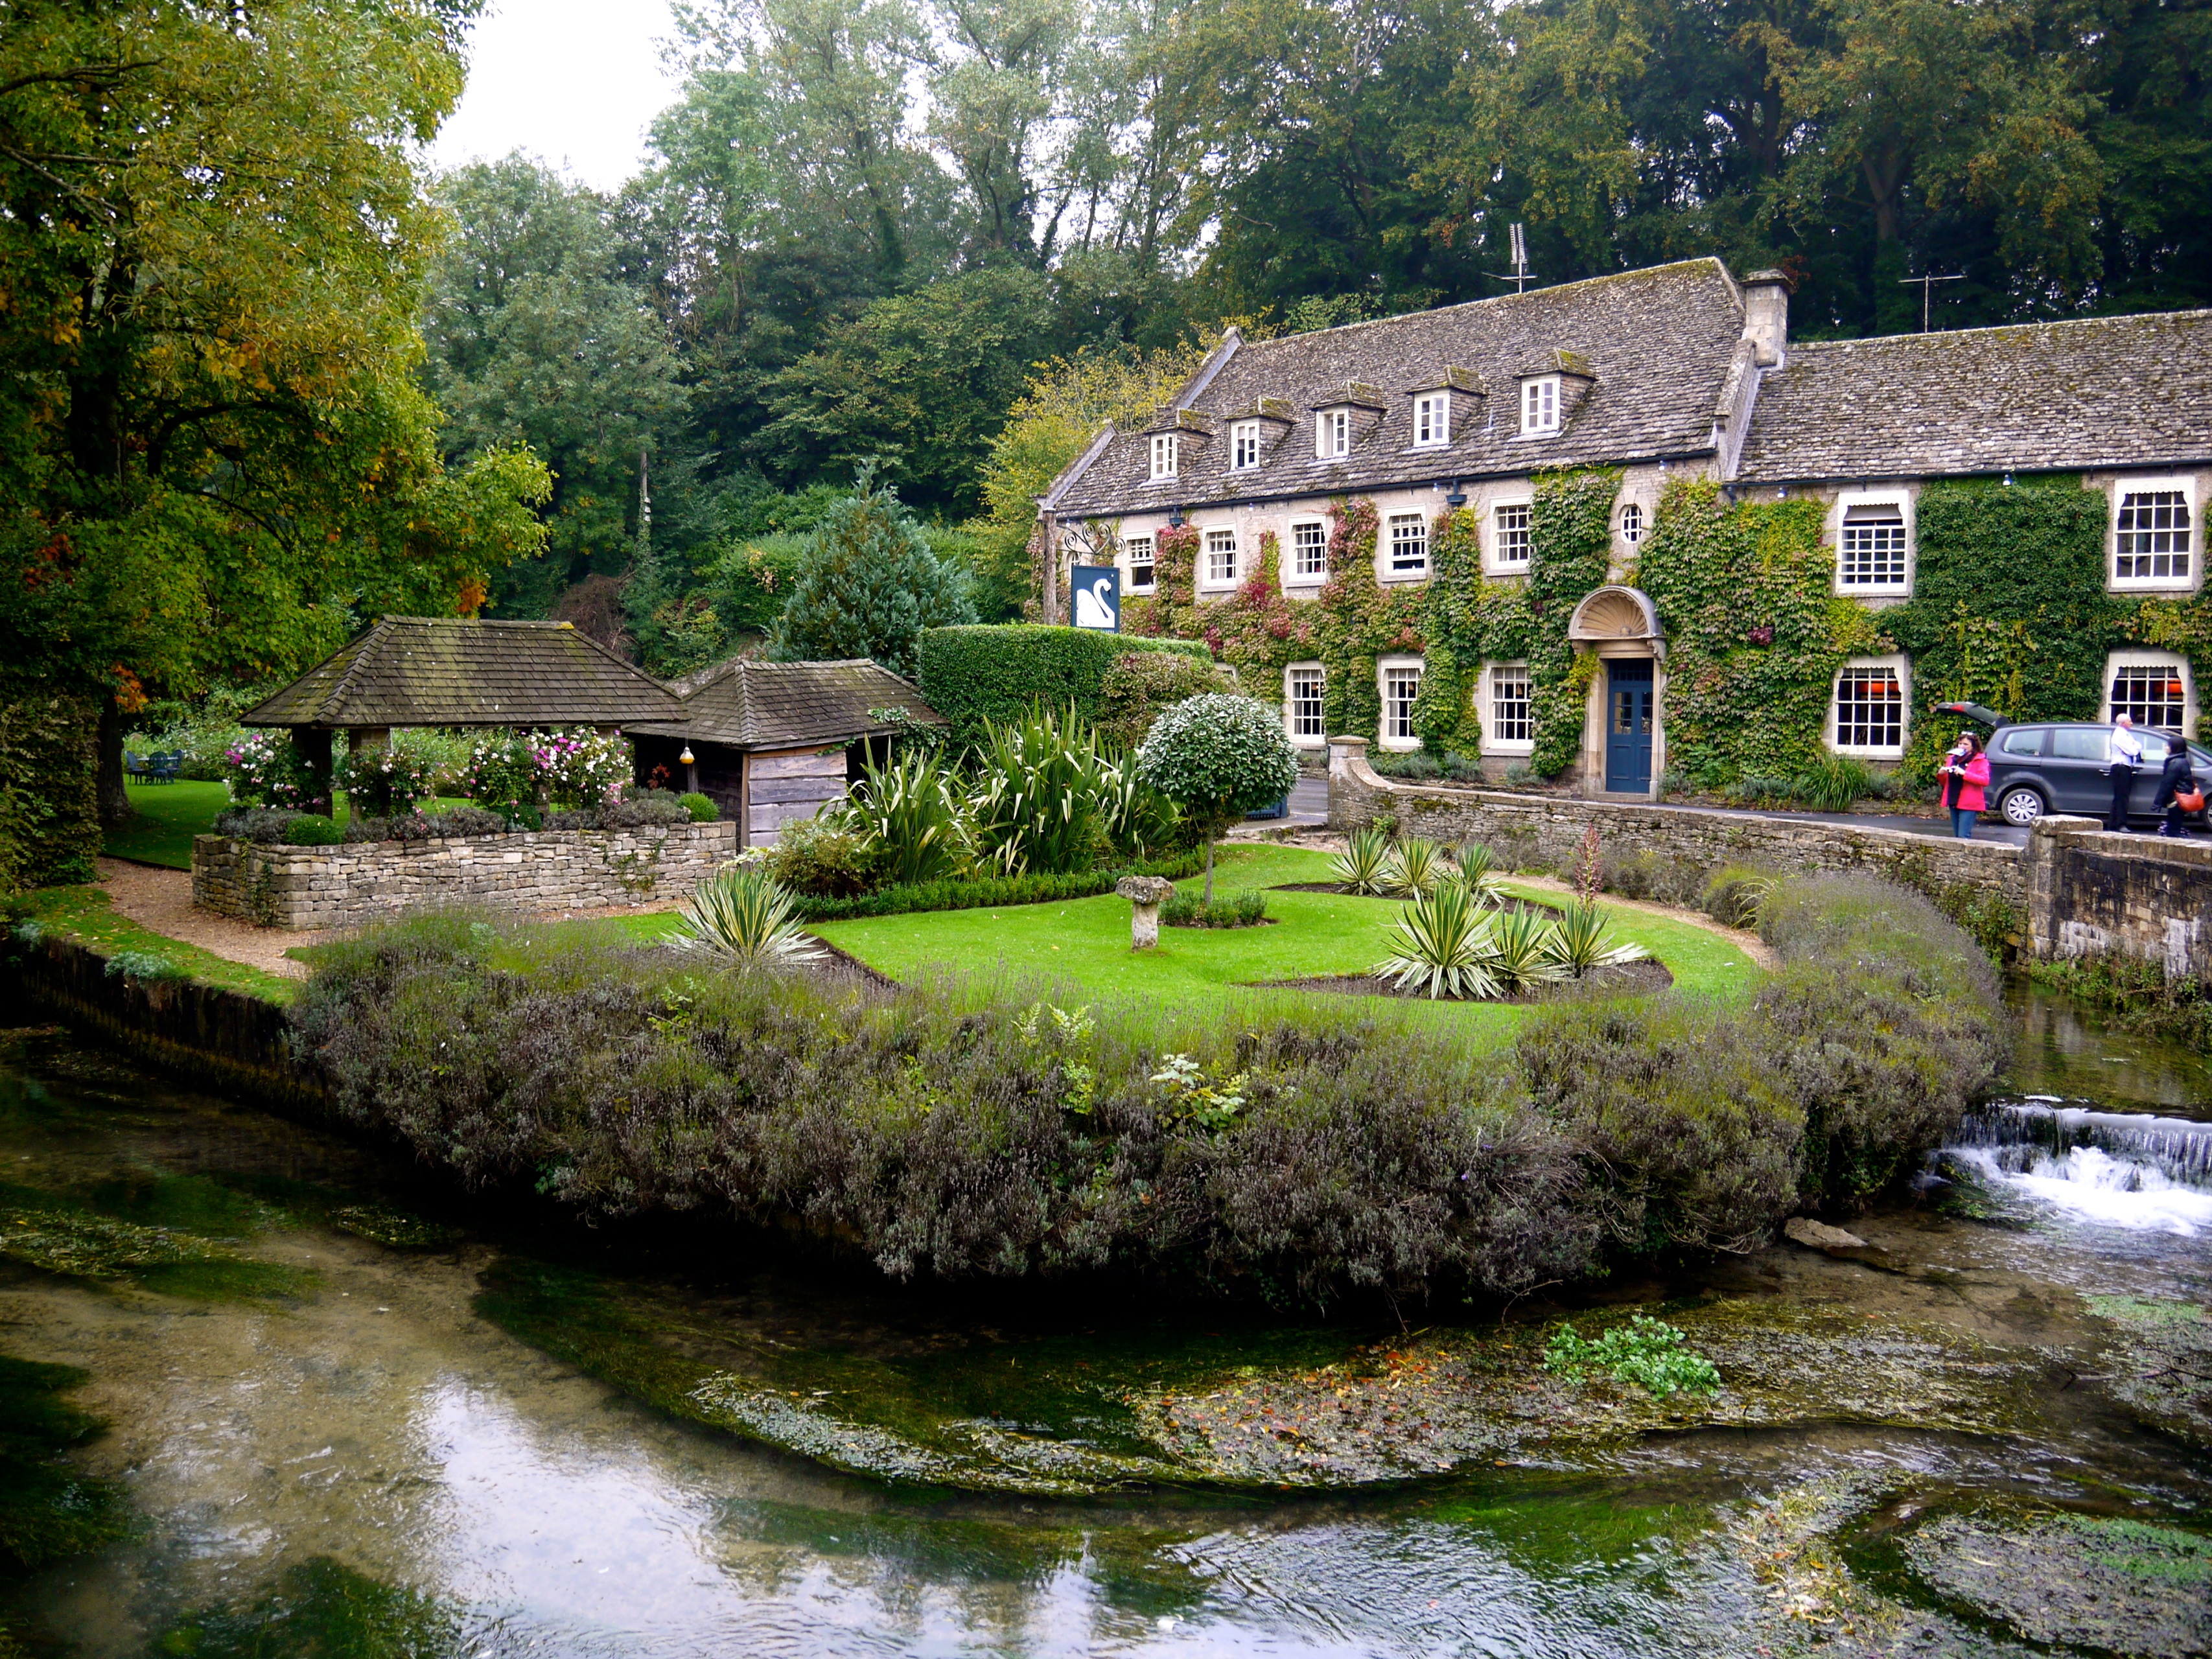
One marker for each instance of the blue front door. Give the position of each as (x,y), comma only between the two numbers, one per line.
(1628,693)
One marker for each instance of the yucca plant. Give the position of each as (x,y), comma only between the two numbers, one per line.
(1441,946)
(1416,866)
(1035,802)
(1519,953)
(1364,866)
(911,813)
(1581,940)
(1478,868)
(744,917)
(1137,818)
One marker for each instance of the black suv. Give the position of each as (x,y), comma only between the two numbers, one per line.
(2058,766)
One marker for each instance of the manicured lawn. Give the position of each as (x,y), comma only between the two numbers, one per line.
(1087,941)
(83,913)
(169,815)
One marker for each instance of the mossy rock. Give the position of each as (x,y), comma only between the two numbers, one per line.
(2113,1586)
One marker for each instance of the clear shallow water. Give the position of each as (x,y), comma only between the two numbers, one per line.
(375,1420)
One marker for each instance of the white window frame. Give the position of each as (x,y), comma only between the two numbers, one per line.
(1384,667)
(1902,500)
(2172,662)
(1899,665)
(1392,524)
(1493,741)
(2185,486)
(1633,524)
(1291,574)
(1165,456)
(1316,674)
(1433,420)
(1205,552)
(1243,446)
(1540,398)
(1150,561)
(1491,549)
(1332,434)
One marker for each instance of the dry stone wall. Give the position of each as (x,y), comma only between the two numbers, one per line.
(1552,827)
(311,887)
(2094,894)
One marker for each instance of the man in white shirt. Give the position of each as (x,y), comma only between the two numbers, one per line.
(2125,755)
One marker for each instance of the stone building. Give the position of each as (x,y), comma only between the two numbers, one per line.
(1682,371)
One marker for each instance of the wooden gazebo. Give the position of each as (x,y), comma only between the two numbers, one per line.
(452,672)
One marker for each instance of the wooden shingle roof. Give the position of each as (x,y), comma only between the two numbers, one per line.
(442,671)
(747,704)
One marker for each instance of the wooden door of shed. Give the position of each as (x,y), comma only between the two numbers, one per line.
(782,784)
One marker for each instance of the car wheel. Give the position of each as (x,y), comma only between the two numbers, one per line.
(2022,805)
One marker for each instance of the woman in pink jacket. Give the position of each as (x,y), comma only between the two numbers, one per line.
(1966,775)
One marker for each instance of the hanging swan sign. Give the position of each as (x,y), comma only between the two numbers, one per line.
(1097,590)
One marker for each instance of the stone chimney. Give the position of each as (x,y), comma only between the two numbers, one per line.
(1766,316)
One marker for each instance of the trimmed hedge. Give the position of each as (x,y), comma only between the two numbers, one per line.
(49,806)
(985,894)
(971,675)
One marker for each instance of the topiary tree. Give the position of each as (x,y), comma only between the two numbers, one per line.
(868,585)
(1218,756)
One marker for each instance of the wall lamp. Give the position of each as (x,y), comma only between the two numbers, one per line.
(1174,518)
(1457,499)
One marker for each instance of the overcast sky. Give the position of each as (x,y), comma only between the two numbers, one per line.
(575,83)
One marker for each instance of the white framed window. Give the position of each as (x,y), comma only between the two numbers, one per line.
(1433,420)
(1867,713)
(1220,558)
(1309,550)
(1409,544)
(1873,543)
(1399,680)
(1333,434)
(1164,455)
(2154,532)
(1631,522)
(1303,684)
(1143,572)
(1508,725)
(1243,446)
(2156,690)
(1509,531)
(1540,404)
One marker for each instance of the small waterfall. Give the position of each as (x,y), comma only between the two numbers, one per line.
(2118,1169)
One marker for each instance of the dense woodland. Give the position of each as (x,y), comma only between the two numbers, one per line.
(266,376)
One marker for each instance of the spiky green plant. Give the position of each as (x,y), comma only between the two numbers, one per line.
(1036,803)
(1415,866)
(1478,868)
(1364,866)
(1442,946)
(1137,818)
(744,917)
(911,814)
(1519,949)
(1582,940)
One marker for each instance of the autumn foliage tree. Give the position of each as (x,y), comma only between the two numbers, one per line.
(214,454)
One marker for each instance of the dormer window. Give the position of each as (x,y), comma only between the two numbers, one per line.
(1164,455)
(1333,434)
(1540,404)
(1244,446)
(1433,420)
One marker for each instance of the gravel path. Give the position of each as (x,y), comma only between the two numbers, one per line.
(161,899)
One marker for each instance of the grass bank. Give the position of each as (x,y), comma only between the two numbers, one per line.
(1297,1147)
(84,913)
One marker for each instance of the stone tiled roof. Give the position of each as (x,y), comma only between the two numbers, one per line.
(2105,391)
(446,670)
(1657,344)
(748,704)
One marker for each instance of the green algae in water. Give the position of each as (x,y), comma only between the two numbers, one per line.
(57,1235)
(323,1609)
(2162,1363)
(47,1510)
(2113,1585)
(345,1213)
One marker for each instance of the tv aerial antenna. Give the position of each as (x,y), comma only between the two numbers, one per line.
(1927,289)
(1520,275)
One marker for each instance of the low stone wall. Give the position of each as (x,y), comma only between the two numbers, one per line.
(310,887)
(1357,795)
(2094,894)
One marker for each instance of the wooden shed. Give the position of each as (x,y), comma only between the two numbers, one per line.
(770,741)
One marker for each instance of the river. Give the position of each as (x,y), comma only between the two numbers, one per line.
(320,1435)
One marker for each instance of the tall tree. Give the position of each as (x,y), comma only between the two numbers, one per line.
(216,457)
